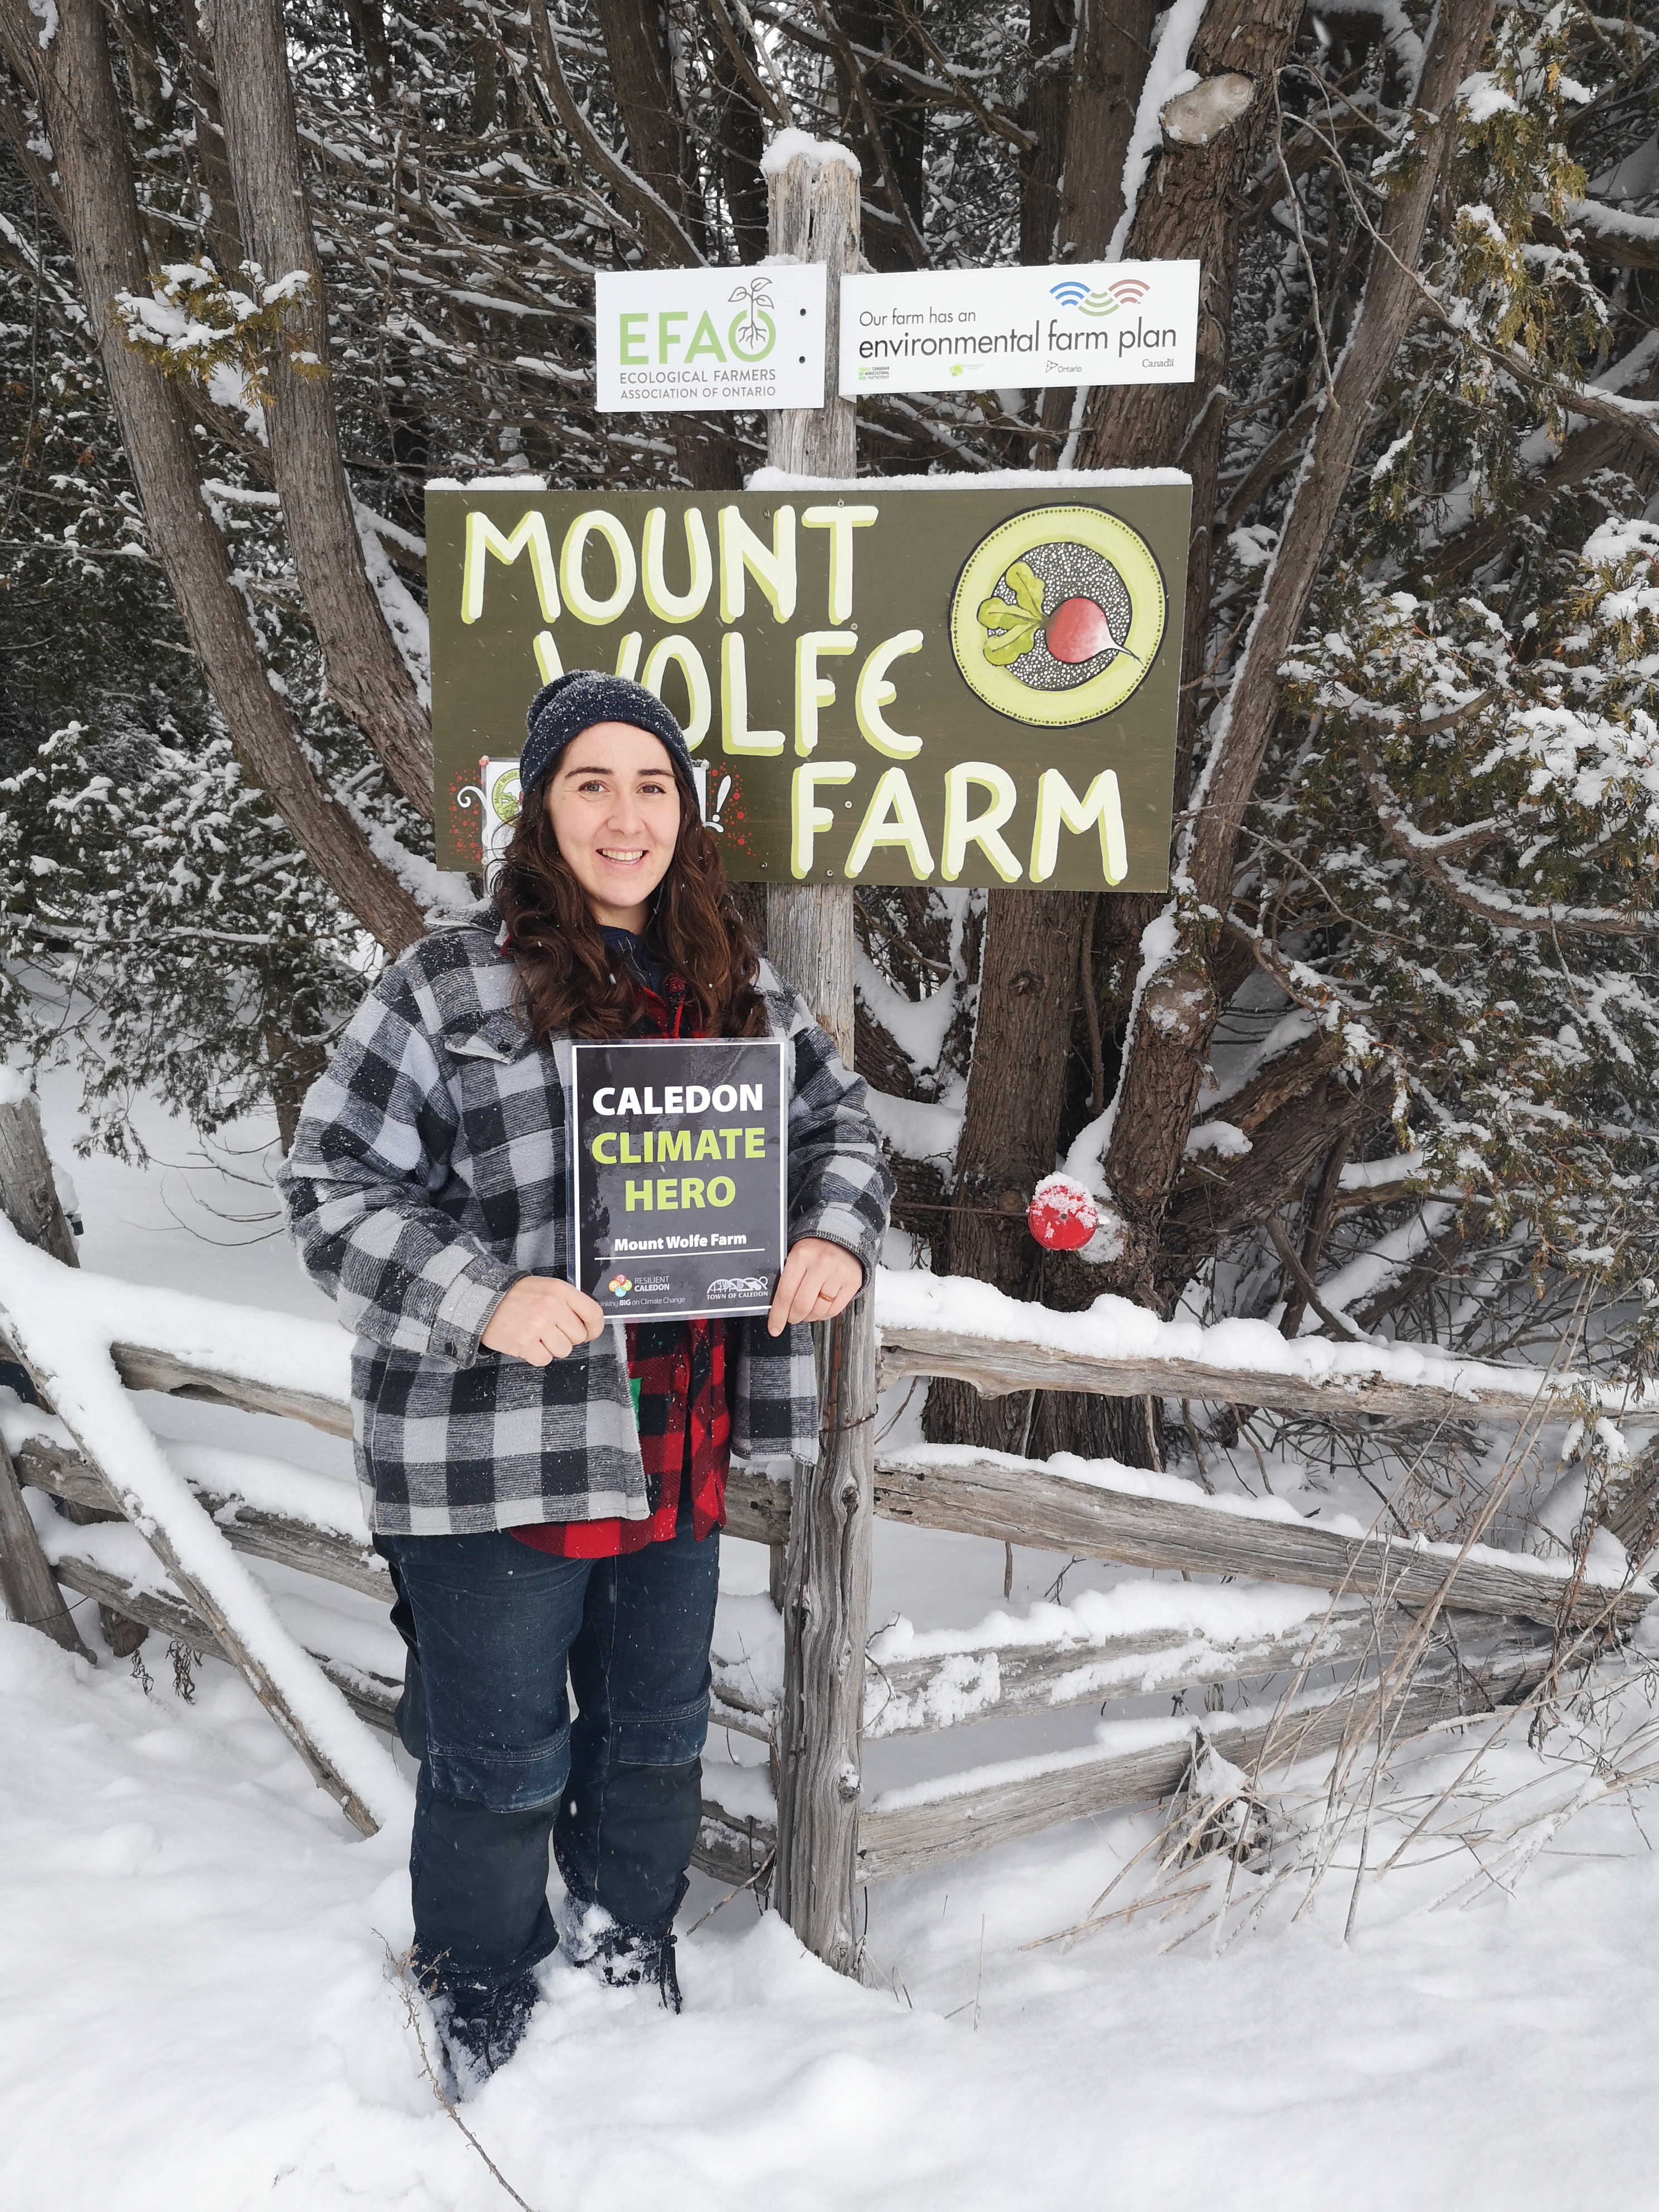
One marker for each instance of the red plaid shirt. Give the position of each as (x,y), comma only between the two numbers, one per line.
(677,1371)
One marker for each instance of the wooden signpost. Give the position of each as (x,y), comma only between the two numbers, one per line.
(814,215)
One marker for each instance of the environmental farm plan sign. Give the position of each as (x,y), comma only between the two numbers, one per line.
(958,681)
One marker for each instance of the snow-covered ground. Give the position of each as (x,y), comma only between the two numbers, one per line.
(199,2011)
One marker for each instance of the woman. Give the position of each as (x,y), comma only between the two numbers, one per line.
(548,1487)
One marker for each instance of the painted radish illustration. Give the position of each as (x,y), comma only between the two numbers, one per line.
(1077,630)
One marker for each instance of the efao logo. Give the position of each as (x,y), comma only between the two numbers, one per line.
(753,333)
(1058,615)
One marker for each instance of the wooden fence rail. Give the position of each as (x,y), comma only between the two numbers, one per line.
(1024,1502)
(1360,1380)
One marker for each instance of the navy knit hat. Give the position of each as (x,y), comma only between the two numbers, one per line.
(562,709)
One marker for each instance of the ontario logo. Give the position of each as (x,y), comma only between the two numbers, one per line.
(1121,292)
(620,1286)
(1058,615)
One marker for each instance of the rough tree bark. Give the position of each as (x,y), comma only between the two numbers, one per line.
(1110,48)
(1189,206)
(647,100)
(365,673)
(886,124)
(1180,1006)
(71,78)
(1048,34)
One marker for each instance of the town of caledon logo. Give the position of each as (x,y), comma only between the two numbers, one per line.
(1057,615)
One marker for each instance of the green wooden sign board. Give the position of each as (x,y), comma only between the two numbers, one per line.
(949,681)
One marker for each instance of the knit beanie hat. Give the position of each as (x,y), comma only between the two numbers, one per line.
(562,709)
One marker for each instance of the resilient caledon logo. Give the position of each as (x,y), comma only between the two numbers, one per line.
(620,1286)
(1057,615)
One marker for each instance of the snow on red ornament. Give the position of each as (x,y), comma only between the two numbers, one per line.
(1062,1215)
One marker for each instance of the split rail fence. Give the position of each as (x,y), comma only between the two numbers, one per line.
(1488,1622)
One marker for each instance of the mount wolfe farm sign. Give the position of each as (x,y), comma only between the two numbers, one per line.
(928,681)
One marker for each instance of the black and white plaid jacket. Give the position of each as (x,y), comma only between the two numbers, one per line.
(429,1172)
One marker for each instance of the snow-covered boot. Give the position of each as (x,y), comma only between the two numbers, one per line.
(481,2018)
(633,1958)
(623,1958)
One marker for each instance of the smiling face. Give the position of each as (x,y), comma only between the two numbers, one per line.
(614,804)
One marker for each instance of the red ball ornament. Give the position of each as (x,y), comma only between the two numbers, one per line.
(1062,1215)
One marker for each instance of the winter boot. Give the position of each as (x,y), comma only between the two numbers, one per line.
(633,1958)
(623,1958)
(481,2017)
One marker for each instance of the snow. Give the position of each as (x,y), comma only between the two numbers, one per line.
(15,1086)
(1115,1327)
(283,1350)
(201,2017)
(1370,1175)
(1167,75)
(406,617)
(1386,1259)
(785,480)
(1606,1566)
(786,146)
(1612,222)
(917,1026)
(1225,1138)
(916,1128)
(64,1336)
(1481,97)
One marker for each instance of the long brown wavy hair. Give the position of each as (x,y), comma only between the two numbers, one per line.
(568,981)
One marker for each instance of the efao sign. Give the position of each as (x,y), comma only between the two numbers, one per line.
(667,340)
(881,681)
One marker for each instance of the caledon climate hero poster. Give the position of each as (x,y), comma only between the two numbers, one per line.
(949,682)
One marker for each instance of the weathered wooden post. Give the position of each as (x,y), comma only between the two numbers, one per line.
(814,211)
(28,1199)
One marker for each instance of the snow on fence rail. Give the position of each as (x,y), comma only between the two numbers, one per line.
(1328,1596)
(934,1325)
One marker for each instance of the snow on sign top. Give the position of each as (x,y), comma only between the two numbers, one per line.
(946,330)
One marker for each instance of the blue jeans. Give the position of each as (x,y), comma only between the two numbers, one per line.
(491,1628)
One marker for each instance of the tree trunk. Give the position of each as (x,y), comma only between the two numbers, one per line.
(648,102)
(886,125)
(28,1190)
(365,673)
(28,1199)
(77,95)
(224,236)
(1180,1007)
(1048,31)
(29,1587)
(1029,974)
(1111,48)
(1015,1092)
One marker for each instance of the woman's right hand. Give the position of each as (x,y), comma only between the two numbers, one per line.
(541,1319)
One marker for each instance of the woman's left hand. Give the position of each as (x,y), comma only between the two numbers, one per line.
(819,1280)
